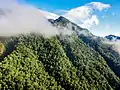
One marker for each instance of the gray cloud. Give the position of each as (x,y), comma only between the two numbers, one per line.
(115,44)
(21,19)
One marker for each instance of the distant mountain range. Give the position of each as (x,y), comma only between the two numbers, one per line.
(113,37)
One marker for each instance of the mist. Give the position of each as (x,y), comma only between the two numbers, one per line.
(22,19)
(115,44)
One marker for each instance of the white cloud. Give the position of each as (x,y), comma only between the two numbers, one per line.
(84,15)
(23,18)
(79,13)
(117,33)
(19,19)
(90,22)
(49,15)
(115,45)
(99,6)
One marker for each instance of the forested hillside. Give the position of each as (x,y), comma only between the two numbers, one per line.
(41,50)
(34,62)
(77,61)
(111,56)
(106,51)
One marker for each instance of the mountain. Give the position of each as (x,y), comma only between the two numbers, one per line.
(79,61)
(49,15)
(112,37)
(97,43)
(63,22)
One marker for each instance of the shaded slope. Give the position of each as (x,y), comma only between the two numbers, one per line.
(111,56)
(91,66)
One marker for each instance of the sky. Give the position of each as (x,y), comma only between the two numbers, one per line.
(101,17)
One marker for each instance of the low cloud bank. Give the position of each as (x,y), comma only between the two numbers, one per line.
(21,19)
(115,44)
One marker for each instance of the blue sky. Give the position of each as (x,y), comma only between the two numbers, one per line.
(109,19)
(51,5)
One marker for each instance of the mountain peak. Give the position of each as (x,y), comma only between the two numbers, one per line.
(63,22)
(112,37)
(62,19)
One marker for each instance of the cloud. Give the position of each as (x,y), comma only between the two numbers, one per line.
(90,22)
(84,15)
(78,14)
(21,19)
(115,44)
(49,15)
(117,33)
(66,30)
(18,18)
(99,6)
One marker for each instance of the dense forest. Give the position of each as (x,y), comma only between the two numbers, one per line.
(106,51)
(34,62)
(97,43)
(62,62)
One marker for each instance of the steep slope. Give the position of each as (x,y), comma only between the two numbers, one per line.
(79,61)
(22,70)
(105,50)
(92,67)
(54,64)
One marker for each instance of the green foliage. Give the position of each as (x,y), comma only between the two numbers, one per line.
(55,61)
(106,51)
(21,70)
(91,66)
(33,62)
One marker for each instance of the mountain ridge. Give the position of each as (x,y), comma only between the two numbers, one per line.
(97,43)
(112,37)
(63,62)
